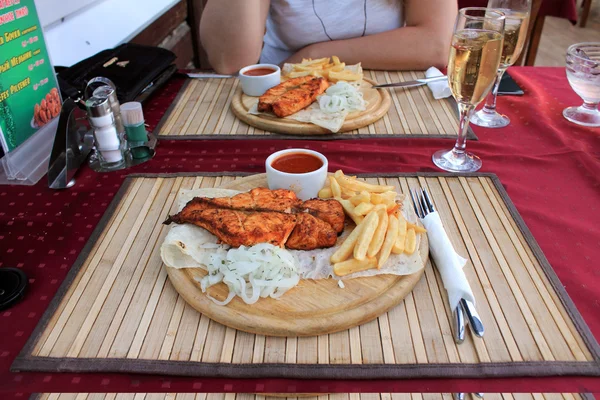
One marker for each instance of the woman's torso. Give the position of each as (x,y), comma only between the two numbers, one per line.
(294,24)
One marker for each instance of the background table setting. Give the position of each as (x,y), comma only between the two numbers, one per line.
(545,166)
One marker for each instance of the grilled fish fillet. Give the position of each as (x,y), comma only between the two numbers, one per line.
(329,211)
(311,233)
(257,199)
(243,228)
(295,100)
(266,101)
(266,216)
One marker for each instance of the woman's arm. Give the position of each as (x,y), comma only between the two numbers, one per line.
(231,32)
(422,43)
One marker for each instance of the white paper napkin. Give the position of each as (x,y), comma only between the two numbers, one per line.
(440,89)
(448,262)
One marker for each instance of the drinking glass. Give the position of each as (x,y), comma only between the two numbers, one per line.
(515,33)
(583,73)
(474,59)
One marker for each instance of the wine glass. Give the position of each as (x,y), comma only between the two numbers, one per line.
(474,59)
(583,73)
(515,33)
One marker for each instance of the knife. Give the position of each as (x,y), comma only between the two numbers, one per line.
(200,75)
(418,82)
(459,325)
(473,317)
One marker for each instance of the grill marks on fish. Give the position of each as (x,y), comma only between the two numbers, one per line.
(266,216)
(292,95)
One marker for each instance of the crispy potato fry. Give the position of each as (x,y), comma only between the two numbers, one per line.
(344,76)
(325,193)
(366,234)
(362,197)
(364,208)
(316,61)
(351,266)
(336,60)
(346,249)
(301,73)
(417,228)
(335,187)
(337,68)
(349,209)
(399,245)
(386,198)
(411,241)
(347,193)
(379,234)
(359,186)
(389,242)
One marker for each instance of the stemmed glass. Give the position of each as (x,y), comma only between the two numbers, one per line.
(515,34)
(583,73)
(474,59)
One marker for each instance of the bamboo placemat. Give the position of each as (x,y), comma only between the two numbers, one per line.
(117,311)
(333,396)
(202,111)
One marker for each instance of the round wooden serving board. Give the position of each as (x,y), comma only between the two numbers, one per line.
(379,102)
(314,307)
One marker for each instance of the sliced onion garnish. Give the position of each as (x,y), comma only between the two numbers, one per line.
(262,270)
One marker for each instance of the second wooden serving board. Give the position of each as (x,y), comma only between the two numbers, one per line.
(378,100)
(314,307)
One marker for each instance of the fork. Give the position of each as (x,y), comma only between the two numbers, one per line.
(424,206)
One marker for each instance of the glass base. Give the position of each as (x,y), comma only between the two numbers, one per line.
(489,120)
(452,161)
(582,116)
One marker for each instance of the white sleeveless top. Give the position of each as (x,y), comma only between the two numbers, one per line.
(294,24)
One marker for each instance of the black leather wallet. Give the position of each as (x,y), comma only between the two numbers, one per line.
(508,86)
(136,71)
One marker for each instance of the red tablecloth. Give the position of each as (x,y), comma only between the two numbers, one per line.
(550,168)
(554,8)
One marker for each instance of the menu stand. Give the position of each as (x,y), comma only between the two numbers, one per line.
(26,164)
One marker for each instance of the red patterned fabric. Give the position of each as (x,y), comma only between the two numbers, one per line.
(553,8)
(550,168)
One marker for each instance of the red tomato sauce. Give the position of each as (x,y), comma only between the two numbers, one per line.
(259,71)
(297,163)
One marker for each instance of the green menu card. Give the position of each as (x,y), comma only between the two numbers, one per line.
(29,97)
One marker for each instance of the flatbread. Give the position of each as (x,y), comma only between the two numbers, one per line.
(189,246)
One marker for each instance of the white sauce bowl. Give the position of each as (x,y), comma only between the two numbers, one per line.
(305,185)
(258,85)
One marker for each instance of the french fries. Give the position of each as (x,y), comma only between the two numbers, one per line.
(353,265)
(381,229)
(331,69)
(379,236)
(388,243)
(366,235)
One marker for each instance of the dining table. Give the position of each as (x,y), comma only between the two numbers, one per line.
(549,167)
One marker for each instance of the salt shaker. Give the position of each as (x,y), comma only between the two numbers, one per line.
(108,142)
(107,92)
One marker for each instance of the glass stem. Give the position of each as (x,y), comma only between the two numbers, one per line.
(590,106)
(465,111)
(490,101)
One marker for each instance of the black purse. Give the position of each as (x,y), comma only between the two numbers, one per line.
(135,70)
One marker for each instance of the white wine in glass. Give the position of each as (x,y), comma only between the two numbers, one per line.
(515,34)
(474,59)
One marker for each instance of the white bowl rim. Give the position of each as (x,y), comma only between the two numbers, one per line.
(279,153)
(276,69)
